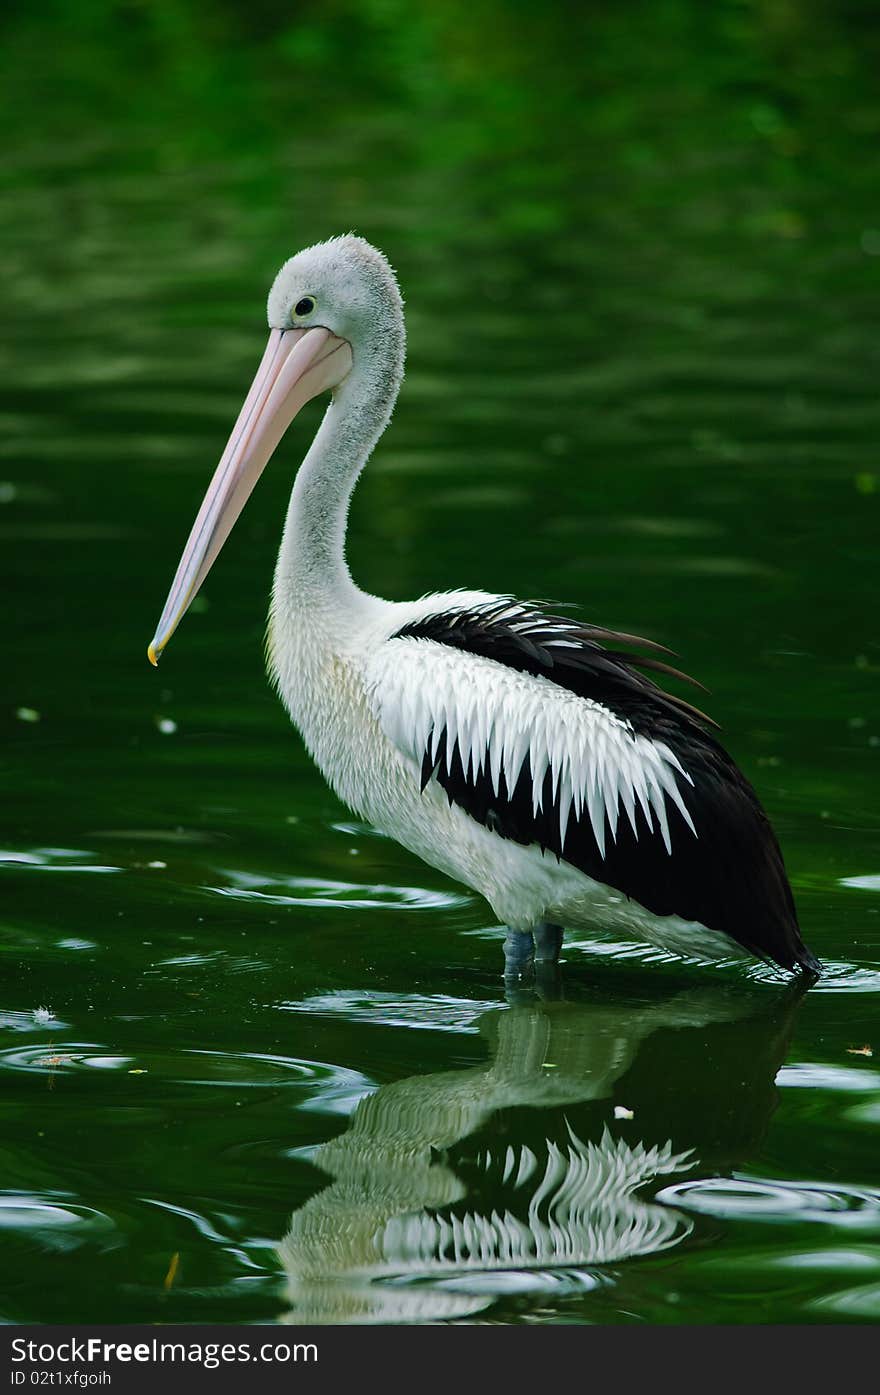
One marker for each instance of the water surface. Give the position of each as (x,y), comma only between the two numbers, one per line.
(640,254)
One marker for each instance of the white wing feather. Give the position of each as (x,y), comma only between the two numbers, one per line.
(418,688)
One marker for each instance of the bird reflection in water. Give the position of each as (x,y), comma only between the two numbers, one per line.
(527,1172)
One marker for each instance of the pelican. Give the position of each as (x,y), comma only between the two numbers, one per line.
(523,753)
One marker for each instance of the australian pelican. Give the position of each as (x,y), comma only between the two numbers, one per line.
(524,753)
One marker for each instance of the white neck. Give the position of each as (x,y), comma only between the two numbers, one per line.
(311,574)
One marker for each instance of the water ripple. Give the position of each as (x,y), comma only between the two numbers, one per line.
(238,963)
(327,1087)
(759,1199)
(53,1218)
(432,1012)
(869,883)
(860,1302)
(838,976)
(817,1075)
(52,860)
(496,1283)
(316,891)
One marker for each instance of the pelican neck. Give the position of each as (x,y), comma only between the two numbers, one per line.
(312,571)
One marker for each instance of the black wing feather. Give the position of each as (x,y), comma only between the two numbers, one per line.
(731,877)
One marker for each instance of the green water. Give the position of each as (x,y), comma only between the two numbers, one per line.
(640,247)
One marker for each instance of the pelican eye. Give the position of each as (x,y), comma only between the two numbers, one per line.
(304,306)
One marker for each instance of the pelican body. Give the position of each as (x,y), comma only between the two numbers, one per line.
(525,754)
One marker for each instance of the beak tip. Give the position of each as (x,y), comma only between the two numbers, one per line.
(153,654)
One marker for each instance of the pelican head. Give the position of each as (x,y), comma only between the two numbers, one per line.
(335,318)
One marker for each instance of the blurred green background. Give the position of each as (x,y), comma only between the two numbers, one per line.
(640,246)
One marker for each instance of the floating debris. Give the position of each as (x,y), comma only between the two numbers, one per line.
(621,1112)
(159,866)
(859,1051)
(172,1271)
(43,1016)
(27,714)
(166,725)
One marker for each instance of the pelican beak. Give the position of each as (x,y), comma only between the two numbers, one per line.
(298,365)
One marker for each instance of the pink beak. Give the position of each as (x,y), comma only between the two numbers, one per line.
(298,365)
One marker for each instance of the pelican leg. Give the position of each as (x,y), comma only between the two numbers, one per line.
(548,975)
(519,954)
(523,949)
(548,942)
